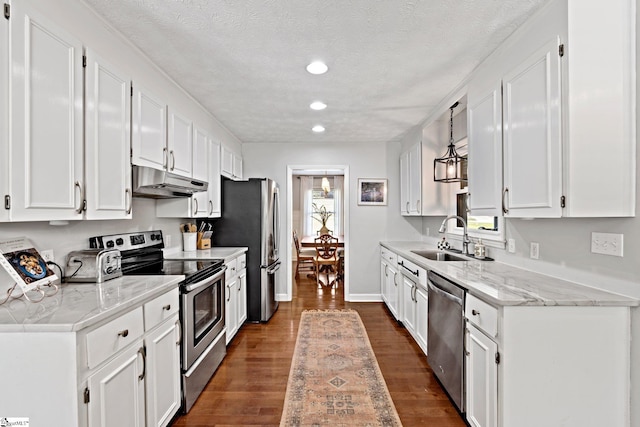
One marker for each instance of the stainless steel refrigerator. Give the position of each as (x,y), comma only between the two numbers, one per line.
(251,218)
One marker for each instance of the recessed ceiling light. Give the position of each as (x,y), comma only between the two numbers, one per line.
(318,128)
(317,67)
(318,105)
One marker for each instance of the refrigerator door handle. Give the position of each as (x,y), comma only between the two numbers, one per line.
(276,222)
(273,268)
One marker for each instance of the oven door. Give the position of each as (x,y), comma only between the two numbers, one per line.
(202,310)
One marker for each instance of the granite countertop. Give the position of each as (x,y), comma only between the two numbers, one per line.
(218,252)
(78,306)
(505,285)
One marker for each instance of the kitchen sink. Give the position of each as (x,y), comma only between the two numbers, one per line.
(439,256)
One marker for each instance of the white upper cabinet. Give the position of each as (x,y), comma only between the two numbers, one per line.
(180,145)
(149,133)
(600,101)
(404,183)
(567,121)
(107,140)
(231,164)
(46,137)
(415,180)
(214,189)
(532,136)
(485,152)
(4,117)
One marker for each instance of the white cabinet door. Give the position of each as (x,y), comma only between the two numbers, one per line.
(242,297)
(180,145)
(149,121)
(163,373)
(408,304)
(200,154)
(4,117)
(107,140)
(404,183)
(231,304)
(46,117)
(481,378)
(485,152)
(226,165)
(415,180)
(532,136)
(384,281)
(214,203)
(421,322)
(117,391)
(237,167)
(394,291)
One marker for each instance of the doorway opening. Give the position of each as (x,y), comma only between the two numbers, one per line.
(326,187)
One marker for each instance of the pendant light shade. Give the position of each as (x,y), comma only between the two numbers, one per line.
(450,167)
(325,185)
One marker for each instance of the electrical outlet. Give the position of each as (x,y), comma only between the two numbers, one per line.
(607,244)
(511,245)
(47,255)
(534,250)
(167,240)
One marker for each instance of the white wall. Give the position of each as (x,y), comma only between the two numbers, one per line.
(367,224)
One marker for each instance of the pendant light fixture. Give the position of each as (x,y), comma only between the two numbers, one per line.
(449,168)
(325,185)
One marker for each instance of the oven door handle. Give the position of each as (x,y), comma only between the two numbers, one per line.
(273,268)
(207,281)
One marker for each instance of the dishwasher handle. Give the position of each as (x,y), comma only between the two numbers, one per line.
(444,294)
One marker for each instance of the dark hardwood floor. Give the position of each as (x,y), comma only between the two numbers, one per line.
(248,388)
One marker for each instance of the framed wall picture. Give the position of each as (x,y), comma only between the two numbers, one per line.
(372,192)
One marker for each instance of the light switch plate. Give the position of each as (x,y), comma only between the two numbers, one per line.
(47,254)
(511,245)
(607,243)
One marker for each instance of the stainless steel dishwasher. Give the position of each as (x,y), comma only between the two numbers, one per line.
(445,340)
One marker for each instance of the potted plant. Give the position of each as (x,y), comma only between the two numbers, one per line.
(322,215)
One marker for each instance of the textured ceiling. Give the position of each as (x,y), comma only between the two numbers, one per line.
(390,62)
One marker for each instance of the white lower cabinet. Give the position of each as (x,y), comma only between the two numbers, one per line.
(116,391)
(389,280)
(235,294)
(408,304)
(421,320)
(481,378)
(531,366)
(414,301)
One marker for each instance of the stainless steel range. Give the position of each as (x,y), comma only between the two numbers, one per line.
(202,295)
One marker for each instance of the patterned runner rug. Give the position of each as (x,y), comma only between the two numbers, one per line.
(335,379)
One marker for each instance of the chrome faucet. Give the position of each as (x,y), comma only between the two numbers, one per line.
(465,235)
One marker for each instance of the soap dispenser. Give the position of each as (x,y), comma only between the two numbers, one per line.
(479,250)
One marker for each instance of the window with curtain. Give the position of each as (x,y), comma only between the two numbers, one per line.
(313,194)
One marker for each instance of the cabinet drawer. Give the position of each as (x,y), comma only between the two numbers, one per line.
(389,256)
(242,262)
(114,336)
(161,308)
(482,315)
(232,269)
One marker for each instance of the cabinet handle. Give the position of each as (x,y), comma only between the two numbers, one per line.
(385,270)
(143,353)
(418,205)
(407,209)
(229,294)
(210,208)
(167,307)
(82,205)
(123,333)
(195,206)
(468,203)
(239,284)
(413,292)
(129,200)
(179,326)
(475,312)
(504,202)
(395,283)
(173,160)
(467,353)
(165,159)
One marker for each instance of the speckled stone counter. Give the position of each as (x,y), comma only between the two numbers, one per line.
(78,306)
(502,284)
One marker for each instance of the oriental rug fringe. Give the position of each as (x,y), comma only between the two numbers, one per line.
(335,379)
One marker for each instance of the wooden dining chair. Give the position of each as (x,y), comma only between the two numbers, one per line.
(304,256)
(326,259)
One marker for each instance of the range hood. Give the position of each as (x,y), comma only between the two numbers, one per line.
(158,184)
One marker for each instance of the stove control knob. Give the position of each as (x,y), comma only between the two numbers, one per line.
(158,237)
(110,243)
(119,241)
(153,237)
